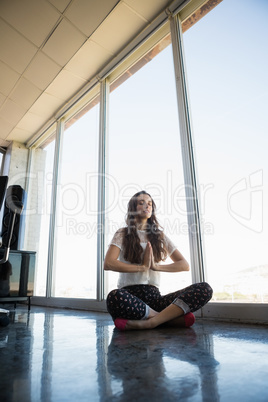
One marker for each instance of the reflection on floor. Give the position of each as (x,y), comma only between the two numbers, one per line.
(63,355)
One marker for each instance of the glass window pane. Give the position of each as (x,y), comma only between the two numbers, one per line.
(75,261)
(39,212)
(145,153)
(227,62)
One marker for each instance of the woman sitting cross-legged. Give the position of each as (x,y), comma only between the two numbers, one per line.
(136,252)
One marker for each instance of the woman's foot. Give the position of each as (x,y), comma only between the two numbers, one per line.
(120,323)
(186,320)
(125,325)
(189,319)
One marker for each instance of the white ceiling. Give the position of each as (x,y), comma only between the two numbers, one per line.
(50,49)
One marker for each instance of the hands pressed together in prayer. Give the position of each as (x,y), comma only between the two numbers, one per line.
(148,259)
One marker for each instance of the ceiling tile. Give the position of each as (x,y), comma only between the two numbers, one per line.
(15,50)
(12,112)
(5,128)
(17,134)
(8,78)
(46,105)
(2,99)
(64,43)
(149,9)
(34,19)
(60,4)
(65,85)
(121,23)
(87,15)
(25,93)
(31,122)
(88,60)
(42,71)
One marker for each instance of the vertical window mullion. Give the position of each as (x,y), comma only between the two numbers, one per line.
(55,180)
(28,184)
(103,126)
(191,189)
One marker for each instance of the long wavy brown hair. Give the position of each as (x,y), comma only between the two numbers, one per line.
(131,243)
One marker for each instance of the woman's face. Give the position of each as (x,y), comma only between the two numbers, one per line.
(144,206)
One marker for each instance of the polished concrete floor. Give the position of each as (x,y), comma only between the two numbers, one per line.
(62,355)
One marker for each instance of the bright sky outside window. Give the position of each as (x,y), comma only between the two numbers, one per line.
(226,68)
(145,153)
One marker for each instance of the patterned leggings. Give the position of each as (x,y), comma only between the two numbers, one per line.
(131,302)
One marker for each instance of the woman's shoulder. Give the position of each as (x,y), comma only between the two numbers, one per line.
(170,246)
(121,231)
(118,236)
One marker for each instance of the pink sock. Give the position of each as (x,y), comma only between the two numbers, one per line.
(189,319)
(120,323)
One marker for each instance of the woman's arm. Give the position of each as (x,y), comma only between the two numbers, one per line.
(179,264)
(111,262)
